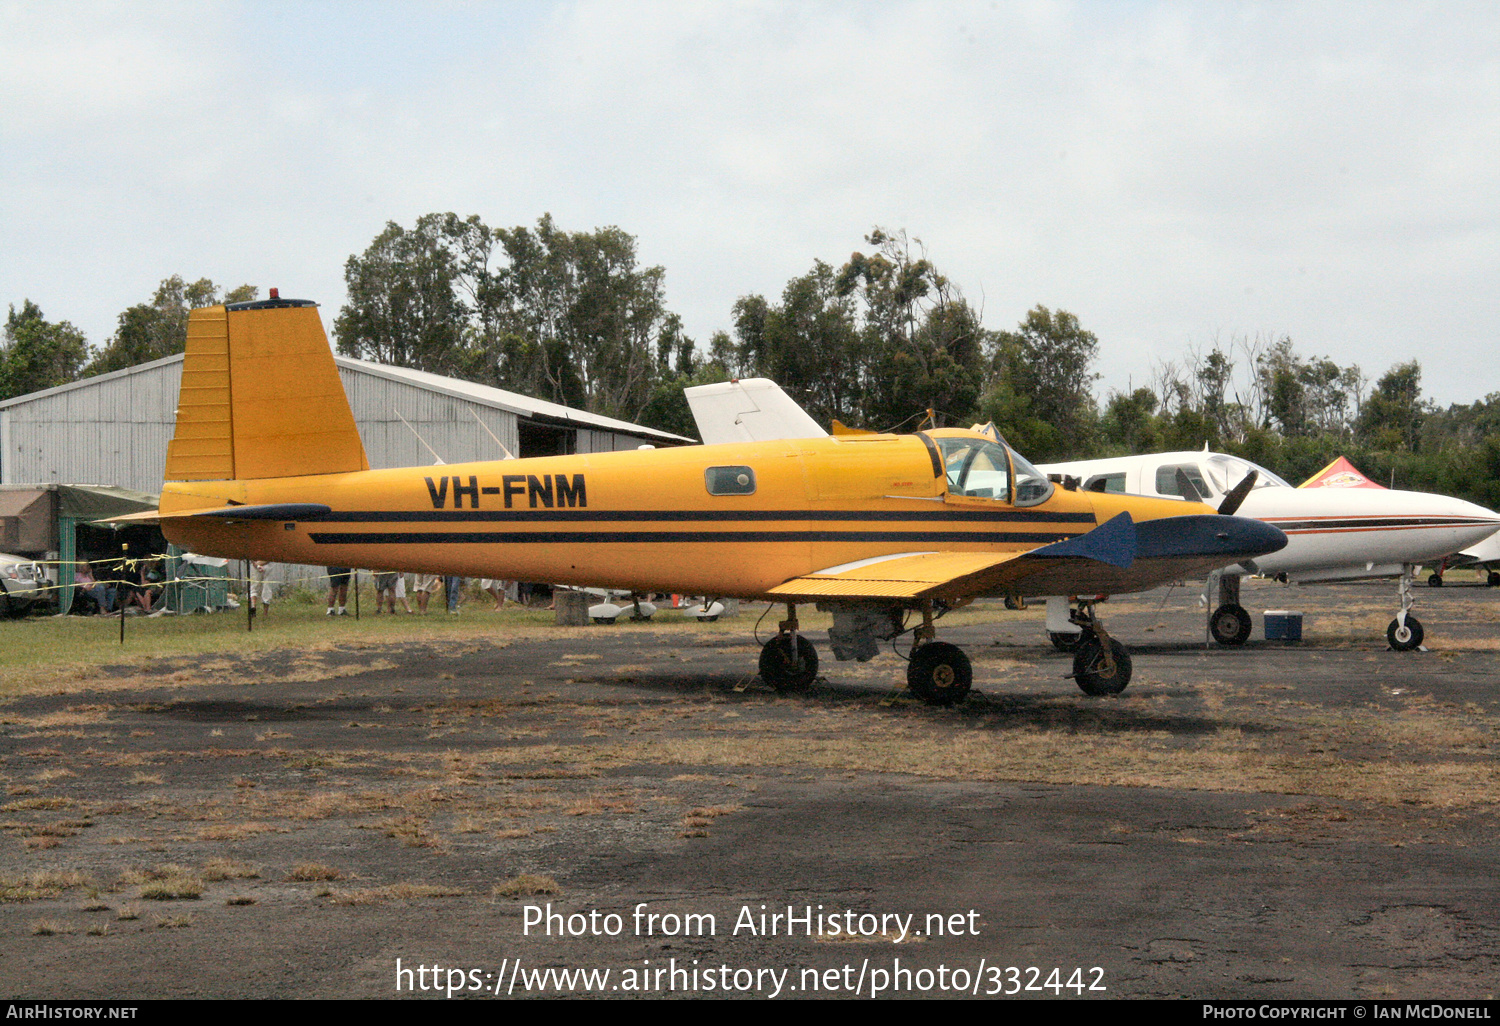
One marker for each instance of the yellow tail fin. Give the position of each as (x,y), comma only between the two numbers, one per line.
(261,397)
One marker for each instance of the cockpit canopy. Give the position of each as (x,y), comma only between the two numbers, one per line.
(990,470)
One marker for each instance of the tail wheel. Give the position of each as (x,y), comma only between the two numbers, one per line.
(786,670)
(1404,638)
(1090,671)
(1230,625)
(939,673)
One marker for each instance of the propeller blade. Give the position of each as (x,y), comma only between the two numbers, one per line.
(1237,494)
(1185,487)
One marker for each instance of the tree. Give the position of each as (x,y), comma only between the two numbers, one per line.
(1047,362)
(808,344)
(402,306)
(566,316)
(921,343)
(1393,414)
(38,354)
(158,329)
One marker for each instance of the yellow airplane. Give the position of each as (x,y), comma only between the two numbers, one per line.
(267,464)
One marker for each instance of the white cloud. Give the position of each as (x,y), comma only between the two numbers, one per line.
(1166,171)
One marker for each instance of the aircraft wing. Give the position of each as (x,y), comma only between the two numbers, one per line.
(905,577)
(1117,557)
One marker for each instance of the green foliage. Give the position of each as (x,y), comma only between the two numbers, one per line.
(158,329)
(37,353)
(565,316)
(1047,360)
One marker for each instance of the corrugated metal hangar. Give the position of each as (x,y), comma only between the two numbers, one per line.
(113,429)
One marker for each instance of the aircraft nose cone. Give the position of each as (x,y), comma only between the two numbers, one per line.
(1246,538)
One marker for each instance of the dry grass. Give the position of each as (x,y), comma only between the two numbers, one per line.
(308,872)
(218,869)
(46,883)
(393,892)
(524,886)
(173,888)
(49,928)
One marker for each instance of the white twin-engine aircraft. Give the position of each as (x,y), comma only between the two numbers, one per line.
(1334,534)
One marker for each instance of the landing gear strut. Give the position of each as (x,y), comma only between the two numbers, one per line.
(788,662)
(1229,623)
(1101,665)
(1405,632)
(938,673)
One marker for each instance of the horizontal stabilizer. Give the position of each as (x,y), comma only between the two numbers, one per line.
(273,511)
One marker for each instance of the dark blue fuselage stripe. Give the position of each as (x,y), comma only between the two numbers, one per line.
(617,537)
(648,516)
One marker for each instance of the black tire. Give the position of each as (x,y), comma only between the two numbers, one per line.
(1089,670)
(1065,641)
(1405,639)
(1011,602)
(1230,625)
(604,619)
(1493,580)
(1435,580)
(708,619)
(785,672)
(939,673)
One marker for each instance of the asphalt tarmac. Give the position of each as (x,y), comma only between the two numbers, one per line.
(625,811)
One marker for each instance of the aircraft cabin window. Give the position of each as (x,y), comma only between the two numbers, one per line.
(729,480)
(1166,481)
(1105,483)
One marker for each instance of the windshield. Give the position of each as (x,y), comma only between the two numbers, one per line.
(981,468)
(1228,471)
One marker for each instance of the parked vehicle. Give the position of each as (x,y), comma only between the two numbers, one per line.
(21,581)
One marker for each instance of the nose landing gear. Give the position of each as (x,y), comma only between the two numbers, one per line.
(1404,633)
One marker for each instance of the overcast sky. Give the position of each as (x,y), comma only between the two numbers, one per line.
(1172,173)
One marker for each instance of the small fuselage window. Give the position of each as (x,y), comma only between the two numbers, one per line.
(730,480)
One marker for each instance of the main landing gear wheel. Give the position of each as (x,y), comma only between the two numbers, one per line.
(786,671)
(1091,673)
(1434,580)
(939,673)
(1065,641)
(1404,638)
(1230,625)
(1493,580)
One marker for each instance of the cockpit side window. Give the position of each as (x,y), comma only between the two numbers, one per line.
(1166,481)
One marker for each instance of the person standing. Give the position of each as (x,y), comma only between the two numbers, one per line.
(453,587)
(338,590)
